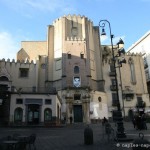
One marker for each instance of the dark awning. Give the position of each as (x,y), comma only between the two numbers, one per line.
(33,101)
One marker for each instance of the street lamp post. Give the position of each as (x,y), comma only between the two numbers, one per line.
(113,55)
(120,134)
(121,92)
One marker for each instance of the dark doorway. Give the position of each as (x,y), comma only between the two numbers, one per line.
(33,114)
(78,117)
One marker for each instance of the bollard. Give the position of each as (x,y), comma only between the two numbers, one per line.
(88,136)
(141,143)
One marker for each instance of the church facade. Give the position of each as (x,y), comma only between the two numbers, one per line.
(69,77)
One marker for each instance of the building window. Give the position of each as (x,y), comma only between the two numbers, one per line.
(114,99)
(19,101)
(47,114)
(132,71)
(43,66)
(113,86)
(24,72)
(112,69)
(145,63)
(69,56)
(3,78)
(18,114)
(147,74)
(113,81)
(76,69)
(82,56)
(34,89)
(74,31)
(48,101)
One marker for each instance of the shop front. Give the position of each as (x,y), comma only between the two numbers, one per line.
(34,110)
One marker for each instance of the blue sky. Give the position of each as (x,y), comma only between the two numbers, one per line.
(22,20)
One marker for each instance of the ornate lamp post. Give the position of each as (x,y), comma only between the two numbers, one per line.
(120,135)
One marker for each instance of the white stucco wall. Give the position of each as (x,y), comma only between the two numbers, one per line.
(52,106)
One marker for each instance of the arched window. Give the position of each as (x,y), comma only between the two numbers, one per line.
(47,114)
(76,69)
(132,71)
(18,114)
(3,78)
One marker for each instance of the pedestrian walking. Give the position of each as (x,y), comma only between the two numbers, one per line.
(134,121)
(104,121)
(138,122)
(143,121)
(70,119)
(64,119)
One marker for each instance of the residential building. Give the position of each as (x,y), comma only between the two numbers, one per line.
(26,103)
(131,79)
(142,46)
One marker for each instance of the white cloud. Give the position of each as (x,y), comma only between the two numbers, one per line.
(105,40)
(45,5)
(8,46)
(27,6)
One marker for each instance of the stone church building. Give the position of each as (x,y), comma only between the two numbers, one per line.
(69,76)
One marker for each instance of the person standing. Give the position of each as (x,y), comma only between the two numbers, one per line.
(104,121)
(143,122)
(138,122)
(70,119)
(134,121)
(64,119)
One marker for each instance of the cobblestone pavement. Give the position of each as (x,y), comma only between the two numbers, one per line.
(71,137)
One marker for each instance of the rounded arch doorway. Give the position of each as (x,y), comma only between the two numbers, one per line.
(18,115)
(33,113)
